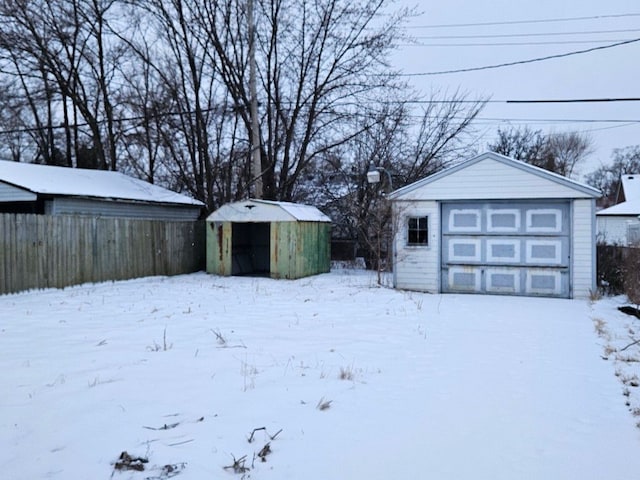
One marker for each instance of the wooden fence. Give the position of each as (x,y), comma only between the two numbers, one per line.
(42,251)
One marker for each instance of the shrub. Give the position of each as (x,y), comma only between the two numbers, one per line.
(631,275)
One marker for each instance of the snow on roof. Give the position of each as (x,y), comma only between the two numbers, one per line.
(267,211)
(631,205)
(625,208)
(78,182)
(631,186)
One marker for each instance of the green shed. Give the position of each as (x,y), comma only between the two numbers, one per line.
(265,238)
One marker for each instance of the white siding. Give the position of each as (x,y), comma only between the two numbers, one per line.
(490,179)
(417,268)
(485,179)
(612,229)
(583,267)
(9,193)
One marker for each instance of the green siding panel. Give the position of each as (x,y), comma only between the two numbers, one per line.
(219,248)
(298,249)
(283,248)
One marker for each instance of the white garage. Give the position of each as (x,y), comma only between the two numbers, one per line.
(495,225)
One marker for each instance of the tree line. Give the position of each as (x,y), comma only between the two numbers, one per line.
(160,89)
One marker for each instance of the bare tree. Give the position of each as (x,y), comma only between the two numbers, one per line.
(161,90)
(522,144)
(60,53)
(319,62)
(606,178)
(405,153)
(565,151)
(561,153)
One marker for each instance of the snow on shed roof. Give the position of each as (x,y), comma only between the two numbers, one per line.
(79,182)
(252,210)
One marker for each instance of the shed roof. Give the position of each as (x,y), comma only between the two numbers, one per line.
(255,211)
(529,176)
(79,182)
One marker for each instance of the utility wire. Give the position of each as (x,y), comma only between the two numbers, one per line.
(577,100)
(512,44)
(138,118)
(559,100)
(477,119)
(520,22)
(556,120)
(537,34)
(521,62)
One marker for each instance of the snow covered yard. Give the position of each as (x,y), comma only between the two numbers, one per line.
(349,381)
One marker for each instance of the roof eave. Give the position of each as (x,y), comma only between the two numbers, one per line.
(580,187)
(137,201)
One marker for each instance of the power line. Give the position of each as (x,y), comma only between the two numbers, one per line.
(537,34)
(521,62)
(513,44)
(558,120)
(521,22)
(560,100)
(137,118)
(577,100)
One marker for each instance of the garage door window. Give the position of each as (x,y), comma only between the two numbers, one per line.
(503,220)
(464,220)
(544,220)
(418,231)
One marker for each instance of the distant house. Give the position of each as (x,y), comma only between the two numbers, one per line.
(275,239)
(48,190)
(620,223)
(495,225)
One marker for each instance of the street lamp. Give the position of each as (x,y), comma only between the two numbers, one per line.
(373,176)
(380,228)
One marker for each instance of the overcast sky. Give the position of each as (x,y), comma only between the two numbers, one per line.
(516,30)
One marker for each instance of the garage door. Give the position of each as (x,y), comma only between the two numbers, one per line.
(506,248)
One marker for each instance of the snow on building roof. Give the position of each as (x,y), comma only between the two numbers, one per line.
(631,186)
(624,208)
(78,182)
(267,211)
(631,205)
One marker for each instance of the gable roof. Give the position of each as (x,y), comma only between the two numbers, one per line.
(631,186)
(631,206)
(252,210)
(571,188)
(79,182)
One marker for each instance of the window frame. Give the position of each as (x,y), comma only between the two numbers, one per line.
(418,231)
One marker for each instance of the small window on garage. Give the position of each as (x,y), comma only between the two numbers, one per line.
(418,231)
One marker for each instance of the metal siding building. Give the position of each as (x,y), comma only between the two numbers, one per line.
(496,225)
(275,239)
(43,189)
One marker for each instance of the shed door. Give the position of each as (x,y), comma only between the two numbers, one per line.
(506,248)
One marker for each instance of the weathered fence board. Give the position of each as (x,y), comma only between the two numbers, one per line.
(41,251)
